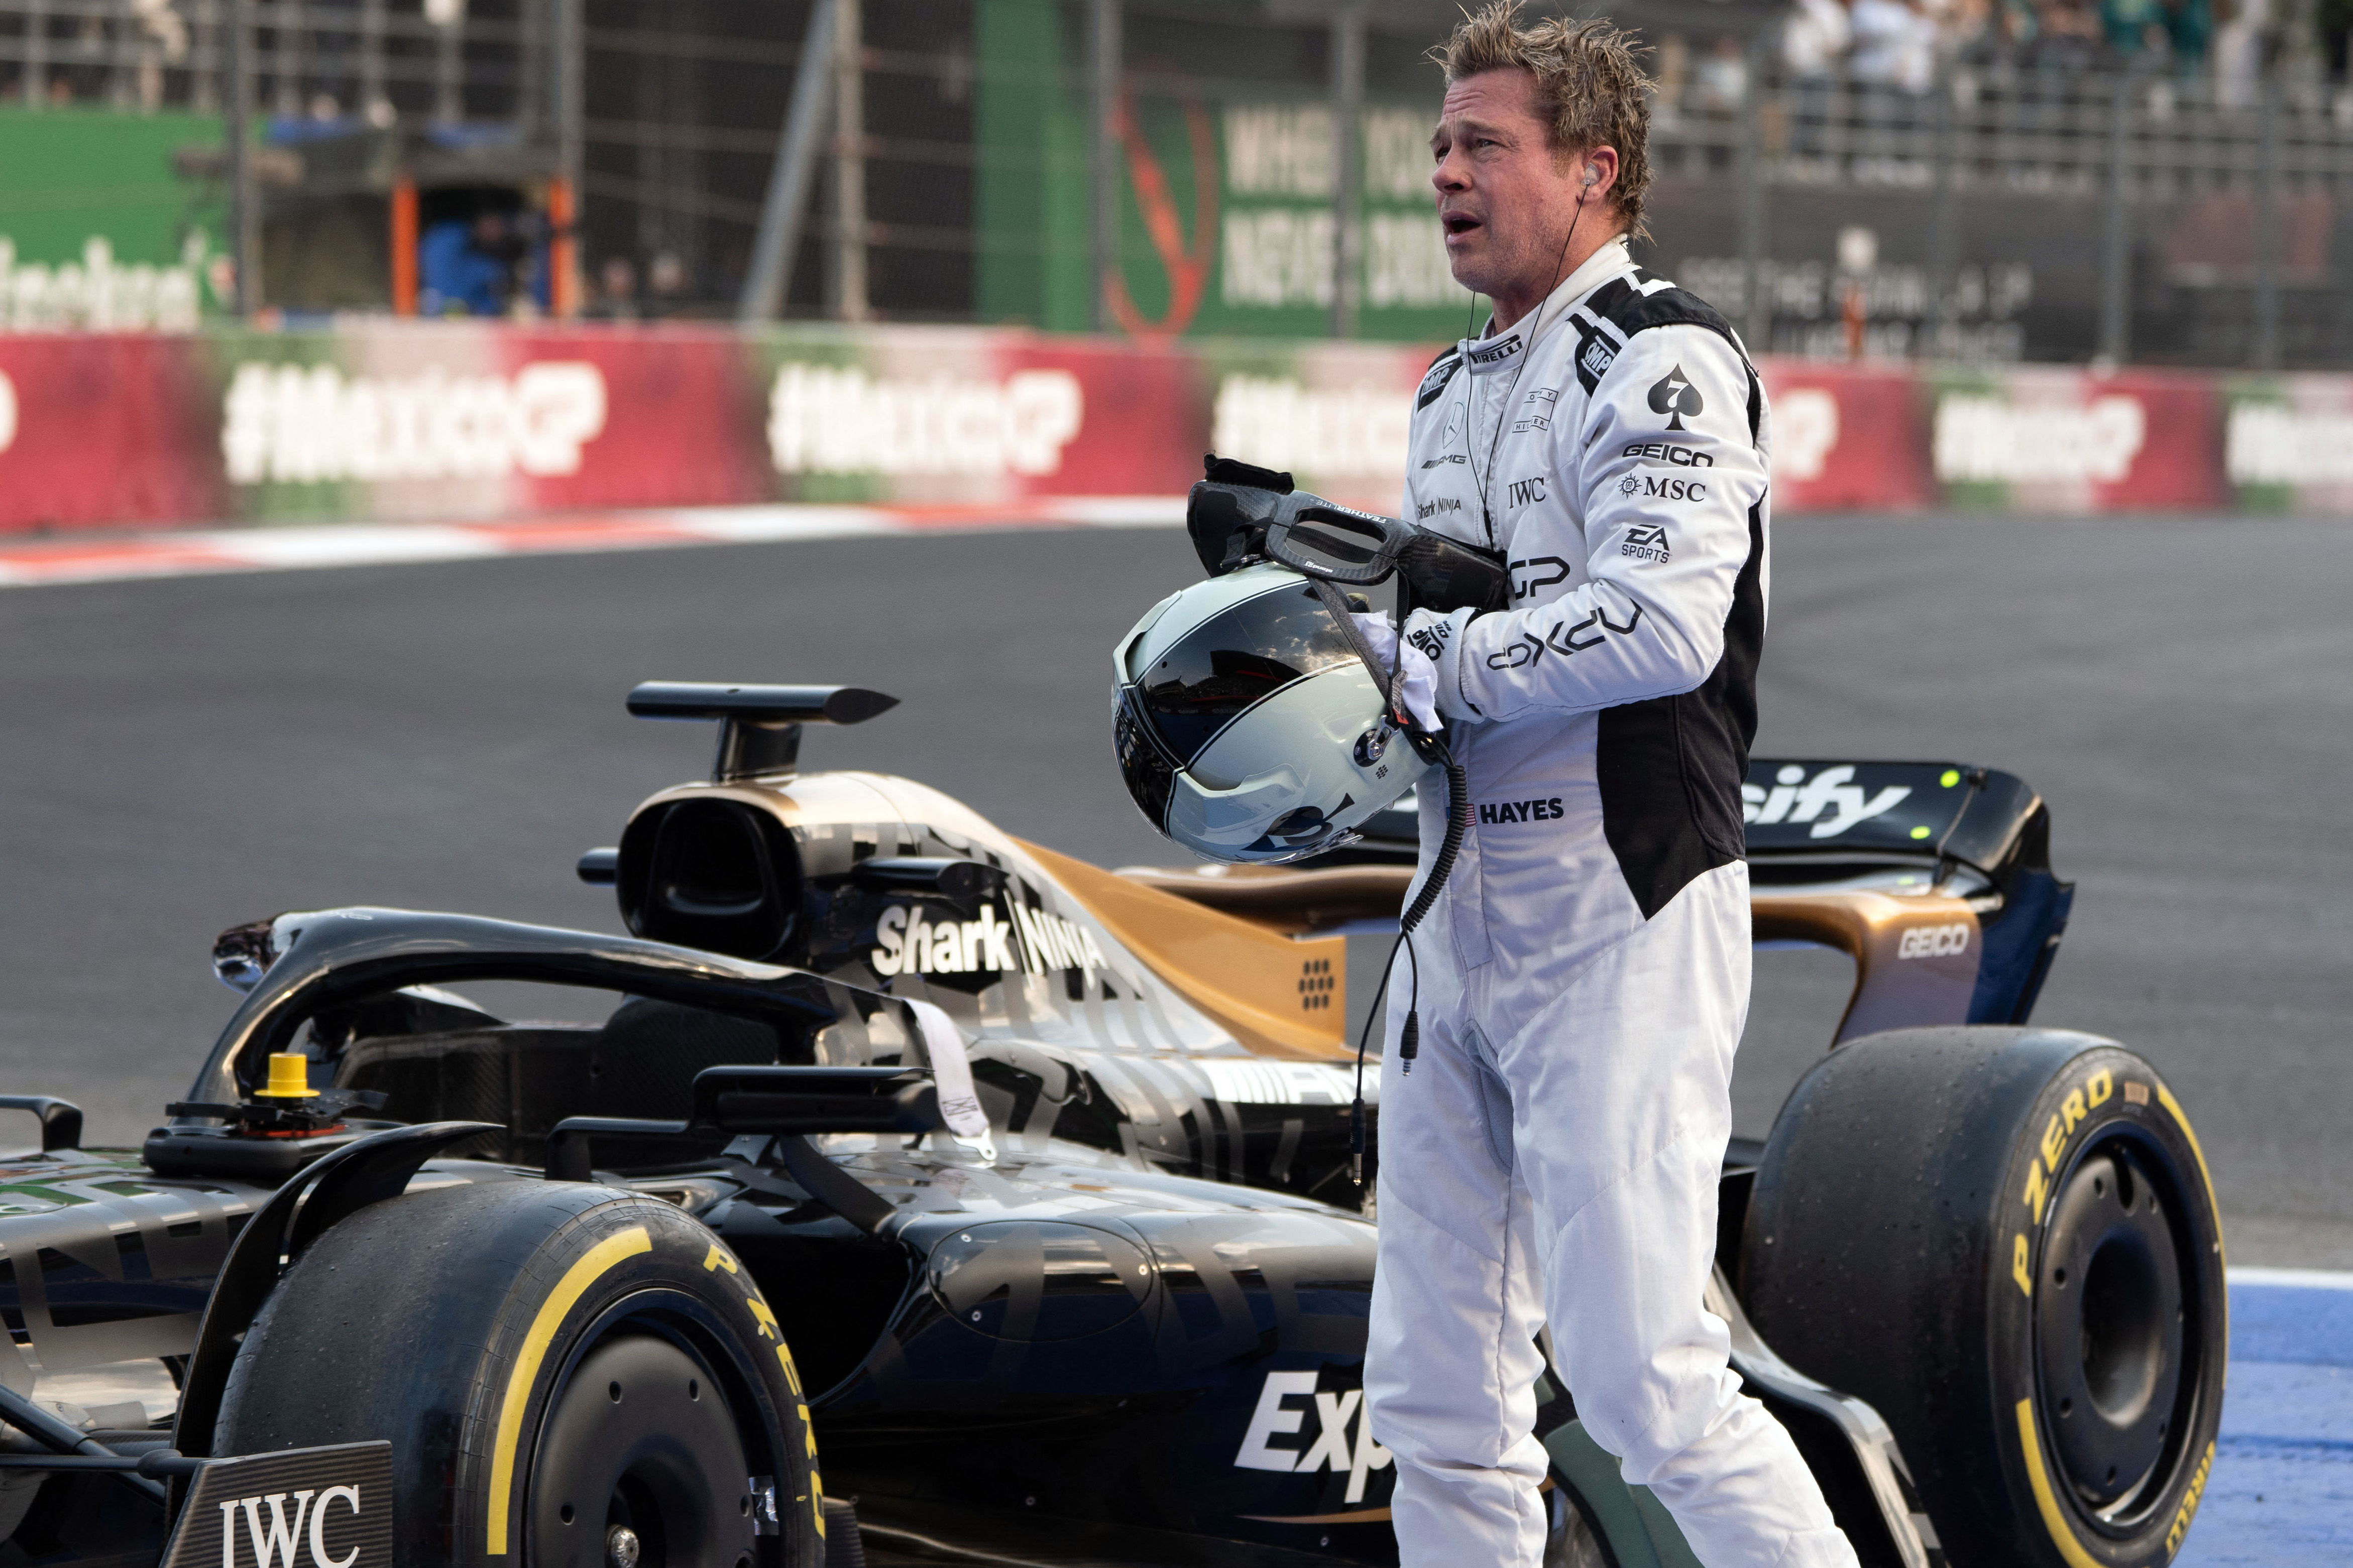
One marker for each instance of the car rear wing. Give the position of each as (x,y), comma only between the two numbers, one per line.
(1825,812)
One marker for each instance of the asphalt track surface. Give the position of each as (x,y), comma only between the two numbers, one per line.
(180,755)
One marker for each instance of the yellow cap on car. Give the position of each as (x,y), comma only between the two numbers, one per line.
(290,1078)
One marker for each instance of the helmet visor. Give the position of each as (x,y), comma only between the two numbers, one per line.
(1227,664)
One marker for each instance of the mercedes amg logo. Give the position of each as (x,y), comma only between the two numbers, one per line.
(1675,397)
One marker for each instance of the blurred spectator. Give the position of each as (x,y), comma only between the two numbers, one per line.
(469,268)
(2334,20)
(1670,70)
(665,284)
(2014,27)
(1813,46)
(1958,24)
(2129,25)
(2240,45)
(2071,34)
(1814,42)
(1722,85)
(616,289)
(1894,45)
(2182,29)
(2189,31)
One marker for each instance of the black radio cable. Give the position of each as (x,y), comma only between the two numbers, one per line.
(1458,790)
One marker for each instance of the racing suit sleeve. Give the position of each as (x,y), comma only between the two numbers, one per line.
(1666,470)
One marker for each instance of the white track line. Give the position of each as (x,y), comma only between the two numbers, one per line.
(2293,1279)
(39,563)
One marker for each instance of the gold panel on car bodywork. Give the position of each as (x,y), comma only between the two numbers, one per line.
(1916,955)
(1279,996)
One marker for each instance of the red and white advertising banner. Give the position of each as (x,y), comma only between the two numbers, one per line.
(445,421)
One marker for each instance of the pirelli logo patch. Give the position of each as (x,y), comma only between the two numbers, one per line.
(1489,355)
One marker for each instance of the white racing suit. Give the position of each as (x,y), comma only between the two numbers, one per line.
(1552,1156)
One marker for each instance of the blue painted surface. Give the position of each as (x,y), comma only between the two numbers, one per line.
(2282,1492)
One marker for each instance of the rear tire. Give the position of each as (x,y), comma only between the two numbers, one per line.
(554,1364)
(2005,1241)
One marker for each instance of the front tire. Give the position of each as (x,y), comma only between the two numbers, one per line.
(2005,1241)
(570,1376)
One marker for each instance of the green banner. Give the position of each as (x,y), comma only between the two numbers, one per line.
(1227,221)
(97,230)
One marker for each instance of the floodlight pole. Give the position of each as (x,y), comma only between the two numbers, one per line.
(1102,80)
(2116,267)
(1757,312)
(237,127)
(2267,246)
(849,279)
(1348,164)
(768,283)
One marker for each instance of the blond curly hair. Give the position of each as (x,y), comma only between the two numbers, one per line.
(1589,87)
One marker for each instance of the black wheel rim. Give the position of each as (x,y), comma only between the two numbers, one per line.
(649,1443)
(2119,1343)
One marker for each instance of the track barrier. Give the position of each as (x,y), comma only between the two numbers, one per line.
(393,421)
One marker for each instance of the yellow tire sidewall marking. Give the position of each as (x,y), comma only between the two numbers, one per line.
(2046,1502)
(2173,1109)
(2221,1253)
(593,1266)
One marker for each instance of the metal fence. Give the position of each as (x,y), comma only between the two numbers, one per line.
(1239,166)
(379,60)
(2200,214)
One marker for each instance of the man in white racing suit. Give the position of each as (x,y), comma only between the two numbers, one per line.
(1549,1154)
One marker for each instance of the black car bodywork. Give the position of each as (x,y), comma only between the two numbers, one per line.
(1136,1308)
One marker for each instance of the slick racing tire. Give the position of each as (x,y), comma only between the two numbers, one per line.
(2005,1241)
(570,1377)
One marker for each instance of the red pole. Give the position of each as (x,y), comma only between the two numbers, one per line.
(563,253)
(404,247)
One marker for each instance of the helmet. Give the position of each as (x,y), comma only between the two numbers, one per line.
(1247,727)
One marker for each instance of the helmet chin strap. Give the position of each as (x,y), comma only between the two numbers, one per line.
(1430,748)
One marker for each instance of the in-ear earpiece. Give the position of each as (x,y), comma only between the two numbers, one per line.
(1592,178)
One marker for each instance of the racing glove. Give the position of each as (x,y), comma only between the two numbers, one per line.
(1418,689)
(1438,640)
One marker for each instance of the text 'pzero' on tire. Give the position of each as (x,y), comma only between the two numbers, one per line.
(571,1377)
(2006,1240)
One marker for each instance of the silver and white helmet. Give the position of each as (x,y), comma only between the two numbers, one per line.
(1247,726)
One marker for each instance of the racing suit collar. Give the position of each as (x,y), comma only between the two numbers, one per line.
(1491,350)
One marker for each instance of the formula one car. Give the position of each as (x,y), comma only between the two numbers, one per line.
(711,1284)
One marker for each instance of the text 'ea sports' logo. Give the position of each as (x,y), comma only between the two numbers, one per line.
(1675,397)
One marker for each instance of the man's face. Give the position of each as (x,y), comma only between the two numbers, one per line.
(1504,198)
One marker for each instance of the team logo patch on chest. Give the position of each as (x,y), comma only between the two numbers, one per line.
(1536,572)
(1539,411)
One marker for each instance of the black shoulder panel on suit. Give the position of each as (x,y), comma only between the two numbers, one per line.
(1434,379)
